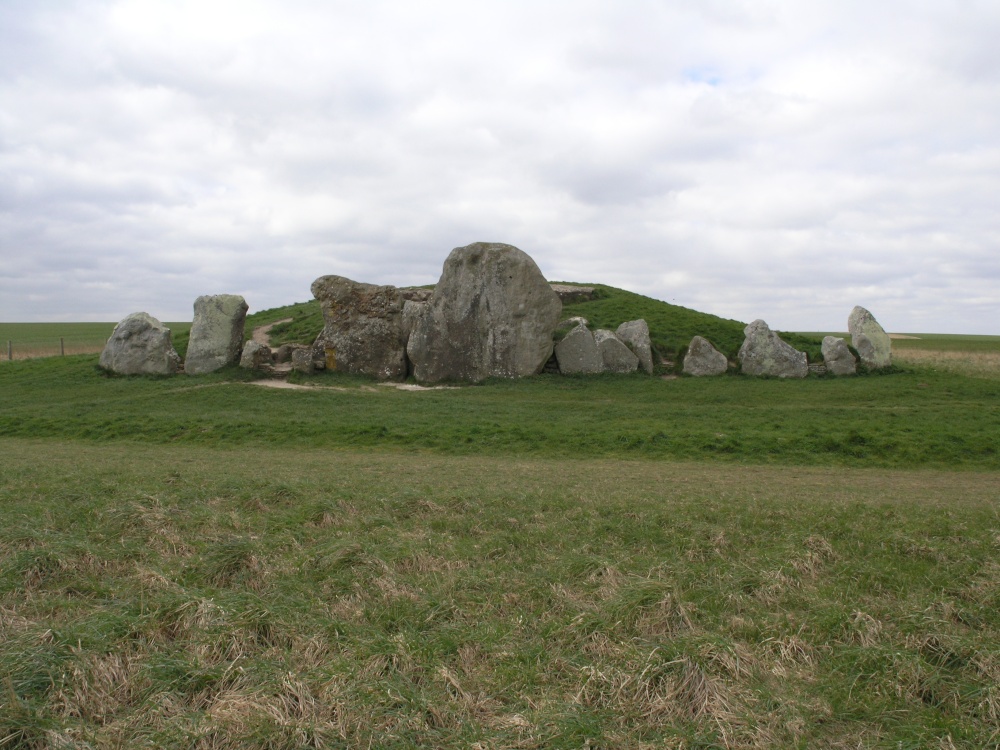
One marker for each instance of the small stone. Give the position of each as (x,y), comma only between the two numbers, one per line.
(302,361)
(256,356)
(703,359)
(578,353)
(615,356)
(635,335)
(837,356)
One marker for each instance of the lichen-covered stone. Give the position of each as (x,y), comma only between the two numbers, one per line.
(256,356)
(140,345)
(578,353)
(492,314)
(837,356)
(703,359)
(764,353)
(635,335)
(216,333)
(615,356)
(869,338)
(363,328)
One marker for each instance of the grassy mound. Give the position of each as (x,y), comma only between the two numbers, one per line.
(671,327)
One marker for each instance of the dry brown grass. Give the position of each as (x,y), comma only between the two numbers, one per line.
(975,364)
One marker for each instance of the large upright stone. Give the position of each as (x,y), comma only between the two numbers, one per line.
(363,328)
(615,356)
(764,353)
(635,335)
(837,356)
(577,352)
(492,315)
(216,333)
(140,345)
(869,338)
(703,359)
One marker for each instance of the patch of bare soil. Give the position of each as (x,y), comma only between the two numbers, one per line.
(902,336)
(262,334)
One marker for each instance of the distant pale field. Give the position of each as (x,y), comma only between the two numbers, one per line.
(978,356)
(29,340)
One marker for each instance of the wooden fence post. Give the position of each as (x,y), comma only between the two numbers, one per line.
(10,350)
(62,347)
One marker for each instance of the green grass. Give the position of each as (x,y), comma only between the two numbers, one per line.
(182,596)
(42,339)
(558,562)
(913,418)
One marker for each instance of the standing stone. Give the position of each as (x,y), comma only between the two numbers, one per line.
(578,353)
(256,356)
(635,335)
(216,333)
(703,359)
(615,356)
(764,353)
(140,345)
(837,356)
(869,338)
(363,328)
(492,315)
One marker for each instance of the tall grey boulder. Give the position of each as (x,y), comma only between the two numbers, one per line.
(635,335)
(577,352)
(869,338)
(140,345)
(492,314)
(615,356)
(216,333)
(764,353)
(837,356)
(703,359)
(363,327)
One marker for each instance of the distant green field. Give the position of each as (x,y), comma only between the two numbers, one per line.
(27,340)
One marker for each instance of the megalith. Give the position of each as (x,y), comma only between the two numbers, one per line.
(216,333)
(869,338)
(764,353)
(837,356)
(577,352)
(363,328)
(635,335)
(703,359)
(492,314)
(615,356)
(140,345)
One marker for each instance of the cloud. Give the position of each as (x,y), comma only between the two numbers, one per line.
(747,159)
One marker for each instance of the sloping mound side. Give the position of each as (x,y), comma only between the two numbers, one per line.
(671,327)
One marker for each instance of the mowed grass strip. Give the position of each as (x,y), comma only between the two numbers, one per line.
(182,596)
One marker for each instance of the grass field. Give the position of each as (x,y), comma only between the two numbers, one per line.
(553,563)
(30,340)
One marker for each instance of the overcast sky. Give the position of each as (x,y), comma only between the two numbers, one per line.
(760,159)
